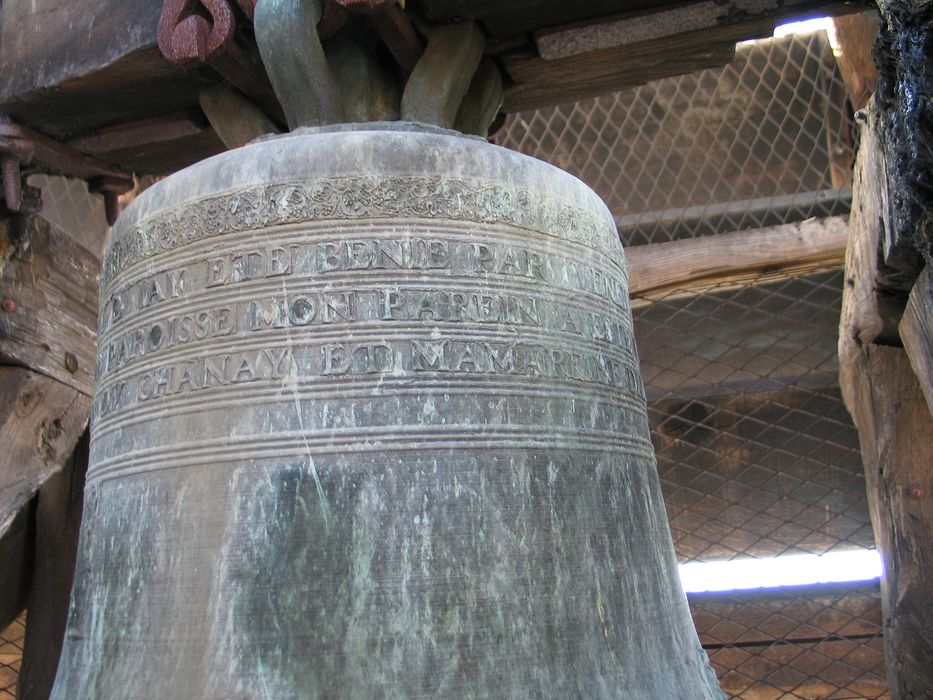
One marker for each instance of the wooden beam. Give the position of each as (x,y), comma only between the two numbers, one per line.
(699,263)
(638,27)
(46,42)
(48,302)
(508,19)
(870,310)
(16,554)
(152,130)
(58,519)
(916,331)
(68,66)
(236,119)
(896,438)
(903,98)
(40,423)
(856,35)
(538,83)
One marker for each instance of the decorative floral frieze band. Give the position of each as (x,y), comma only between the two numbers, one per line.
(356,198)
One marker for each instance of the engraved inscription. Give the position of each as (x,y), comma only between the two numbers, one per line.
(313,262)
(357,198)
(397,358)
(374,307)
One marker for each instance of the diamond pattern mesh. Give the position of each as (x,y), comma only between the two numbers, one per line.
(67,204)
(11,652)
(747,145)
(756,452)
(818,643)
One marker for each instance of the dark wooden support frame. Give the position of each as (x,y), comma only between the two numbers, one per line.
(885,344)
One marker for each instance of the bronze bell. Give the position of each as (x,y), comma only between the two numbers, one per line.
(369,423)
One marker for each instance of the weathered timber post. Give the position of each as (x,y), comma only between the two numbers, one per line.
(368,418)
(886,352)
(48,302)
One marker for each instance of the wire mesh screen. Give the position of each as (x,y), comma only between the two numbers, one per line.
(802,644)
(11,652)
(67,204)
(756,452)
(755,143)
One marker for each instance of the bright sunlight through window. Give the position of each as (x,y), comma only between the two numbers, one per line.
(791,570)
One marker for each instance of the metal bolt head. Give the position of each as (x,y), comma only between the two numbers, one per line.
(71,362)
(9,305)
(915,491)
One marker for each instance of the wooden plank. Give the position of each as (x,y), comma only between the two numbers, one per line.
(609,32)
(140,85)
(507,19)
(539,83)
(916,331)
(46,42)
(16,555)
(40,422)
(856,35)
(48,288)
(235,118)
(68,66)
(165,157)
(896,437)
(153,130)
(58,519)
(866,314)
(797,248)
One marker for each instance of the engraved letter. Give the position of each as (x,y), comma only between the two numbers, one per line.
(336,360)
(428,355)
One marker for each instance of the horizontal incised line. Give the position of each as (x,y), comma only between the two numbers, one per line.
(398,438)
(247,394)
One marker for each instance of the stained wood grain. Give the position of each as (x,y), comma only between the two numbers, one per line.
(680,19)
(49,282)
(40,422)
(862,318)
(16,553)
(58,519)
(505,19)
(698,263)
(896,438)
(916,330)
(856,34)
(539,83)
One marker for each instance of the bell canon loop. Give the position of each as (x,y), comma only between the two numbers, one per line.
(369,422)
